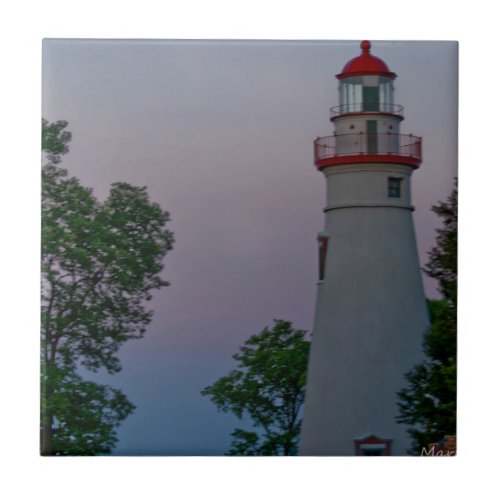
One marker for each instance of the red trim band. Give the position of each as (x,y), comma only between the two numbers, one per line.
(367,158)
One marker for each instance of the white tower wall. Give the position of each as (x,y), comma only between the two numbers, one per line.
(370,312)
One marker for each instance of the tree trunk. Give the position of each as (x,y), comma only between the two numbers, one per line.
(46,436)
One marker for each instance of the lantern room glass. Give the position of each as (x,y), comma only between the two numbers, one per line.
(353,92)
(386,90)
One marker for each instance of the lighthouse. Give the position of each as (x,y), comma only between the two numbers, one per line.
(370,312)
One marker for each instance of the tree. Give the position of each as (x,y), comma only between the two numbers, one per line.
(428,404)
(269,386)
(85,413)
(100,263)
(55,139)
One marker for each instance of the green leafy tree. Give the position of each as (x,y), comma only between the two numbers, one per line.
(100,263)
(428,403)
(269,387)
(55,139)
(85,414)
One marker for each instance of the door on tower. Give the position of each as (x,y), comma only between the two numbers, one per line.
(371,139)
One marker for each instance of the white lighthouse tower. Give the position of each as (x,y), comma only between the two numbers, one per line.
(370,307)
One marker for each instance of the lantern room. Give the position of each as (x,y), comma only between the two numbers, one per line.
(365,84)
(366,93)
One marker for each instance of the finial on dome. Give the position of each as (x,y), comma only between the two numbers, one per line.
(365,46)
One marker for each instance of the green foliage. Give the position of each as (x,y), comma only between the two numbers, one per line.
(100,263)
(55,139)
(269,386)
(428,403)
(442,263)
(85,413)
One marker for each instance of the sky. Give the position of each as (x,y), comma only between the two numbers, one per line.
(221,134)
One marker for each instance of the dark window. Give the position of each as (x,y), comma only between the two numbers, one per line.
(374,452)
(323,248)
(394,186)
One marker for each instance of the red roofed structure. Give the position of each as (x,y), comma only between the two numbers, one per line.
(366,64)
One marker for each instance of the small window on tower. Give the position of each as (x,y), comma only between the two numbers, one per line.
(322,248)
(394,186)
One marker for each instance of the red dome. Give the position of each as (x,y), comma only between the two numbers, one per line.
(366,64)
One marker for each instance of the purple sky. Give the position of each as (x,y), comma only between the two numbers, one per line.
(221,133)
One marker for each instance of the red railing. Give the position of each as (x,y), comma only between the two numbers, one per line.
(368,144)
(366,107)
